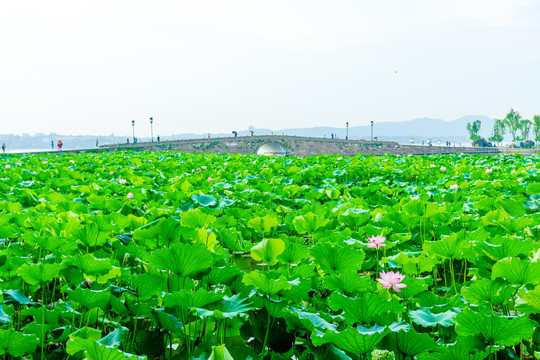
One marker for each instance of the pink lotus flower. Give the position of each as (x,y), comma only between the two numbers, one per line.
(44,162)
(210,179)
(72,161)
(130,195)
(122,181)
(443,168)
(489,171)
(376,242)
(391,280)
(8,166)
(198,169)
(340,158)
(225,163)
(431,165)
(203,167)
(112,172)
(454,187)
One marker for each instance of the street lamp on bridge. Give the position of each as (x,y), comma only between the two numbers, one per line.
(371,130)
(347,136)
(151,129)
(133,124)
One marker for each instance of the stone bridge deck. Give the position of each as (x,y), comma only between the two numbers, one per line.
(304,146)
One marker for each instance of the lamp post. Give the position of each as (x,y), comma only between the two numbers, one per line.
(151,129)
(133,124)
(347,136)
(371,130)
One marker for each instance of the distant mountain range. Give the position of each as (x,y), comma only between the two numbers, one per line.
(419,129)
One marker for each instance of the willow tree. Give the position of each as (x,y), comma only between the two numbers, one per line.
(536,127)
(525,128)
(498,131)
(473,129)
(512,122)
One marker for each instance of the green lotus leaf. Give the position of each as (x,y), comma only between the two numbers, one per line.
(115,338)
(197,219)
(500,248)
(414,287)
(16,344)
(87,333)
(4,318)
(221,275)
(39,273)
(204,200)
(410,343)
(486,290)
(263,224)
(530,301)
(465,348)
(336,259)
(268,251)
(94,351)
(360,310)
(229,308)
(494,328)
(306,320)
(294,253)
(349,283)
(426,318)
(450,247)
(357,340)
(308,223)
(220,353)
(12,296)
(183,259)
(90,298)
(185,299)
(89,235)
(147,285)
(265,284)
(517,271)
(90,265)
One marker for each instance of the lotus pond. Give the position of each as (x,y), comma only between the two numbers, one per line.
(179,256)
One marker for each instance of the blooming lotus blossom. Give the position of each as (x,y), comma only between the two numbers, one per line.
(44,162)
(210,179)
(225,163)
(130,195)
(391,280)
(203,167)
(198,169)
(8,166)
(454,187)
(443,168)
(376,242)
(122,181)
(431,165)
(489,171)
(112,172)
(72,161)
(340,158)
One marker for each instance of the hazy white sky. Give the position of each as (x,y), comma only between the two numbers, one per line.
(90,67)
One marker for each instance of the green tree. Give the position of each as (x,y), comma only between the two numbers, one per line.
(525,127)
(536,127)
(498,131)
(512,122)
(473,129)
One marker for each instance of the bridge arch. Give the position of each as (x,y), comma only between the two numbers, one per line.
(272,148)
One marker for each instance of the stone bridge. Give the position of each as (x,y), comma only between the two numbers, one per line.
(303,146)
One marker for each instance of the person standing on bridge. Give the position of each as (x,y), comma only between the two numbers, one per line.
(158,138)
(4,148)
(97,143)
